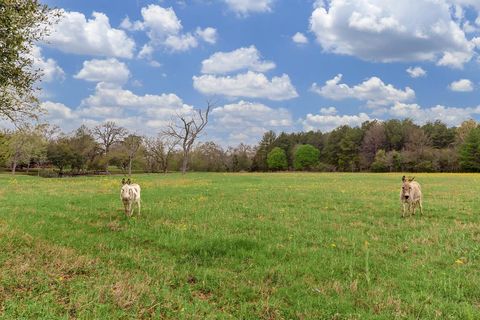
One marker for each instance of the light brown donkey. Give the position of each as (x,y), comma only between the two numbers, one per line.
(410,196)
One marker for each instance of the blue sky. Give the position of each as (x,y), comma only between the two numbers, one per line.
(268,64)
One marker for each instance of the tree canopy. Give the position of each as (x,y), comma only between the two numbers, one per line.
(22,23)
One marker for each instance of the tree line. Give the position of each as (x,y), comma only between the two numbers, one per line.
(376,146)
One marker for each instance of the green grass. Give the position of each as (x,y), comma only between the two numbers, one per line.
(240,246)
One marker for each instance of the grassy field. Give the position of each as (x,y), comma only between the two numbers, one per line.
(240,246)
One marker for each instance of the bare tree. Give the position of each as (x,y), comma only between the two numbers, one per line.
(108,134)
(160,149)
(187,130)
(373,140)
(132,144)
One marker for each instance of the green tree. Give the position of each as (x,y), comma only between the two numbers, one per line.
(470,152)
(461,132)
(60,154)
(306,157)
(85,149)
(396,132)
(349,146)
(277,159)
(24,145)
(380,164)
(22,24)
(265,146)
(440,135)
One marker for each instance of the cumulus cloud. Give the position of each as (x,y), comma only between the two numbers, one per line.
(248,58)
(74,33)
(374,91)
(327,122)
(181,42)
(209,34)
(249,85)
(109,70)
(390,30)
(462,85)
(299,38)
(49,68)
(58,110)
(450,115)
(109,95)
(164,29)
(245,7)
(416,72)
(145,114)
(246,121)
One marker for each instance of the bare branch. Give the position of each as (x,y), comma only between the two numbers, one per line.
(188,130)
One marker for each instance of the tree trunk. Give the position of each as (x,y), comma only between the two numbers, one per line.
(129,167)
(106,159)
(164,166)
(185,162)
(14,166)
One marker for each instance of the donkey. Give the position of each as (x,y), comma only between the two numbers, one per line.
(410,196)
(130,194)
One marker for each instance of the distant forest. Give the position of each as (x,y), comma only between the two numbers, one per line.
(376,146)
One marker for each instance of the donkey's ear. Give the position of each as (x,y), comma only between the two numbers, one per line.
(123,181)
(129,181)
(403,178)
(412,179)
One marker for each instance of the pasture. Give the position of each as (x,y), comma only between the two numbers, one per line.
(240,246)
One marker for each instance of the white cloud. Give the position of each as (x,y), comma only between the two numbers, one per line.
(247,121)
(182,42)
(300,38)
(58,110)
(391,30)
(250,85)
(476,42)
(160,22)
(326,122)
(248,58)
(462,85)
(109,70)
(450,115)
(108,95)
(328,111)
(76,34)
(131,26)
(146,52)
(145,114)
(164,29)
(244,7)
(156,64)
(416,72)
(374,91)
(49,68)
(209,34)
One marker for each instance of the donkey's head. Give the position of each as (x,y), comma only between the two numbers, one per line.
(406,187)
